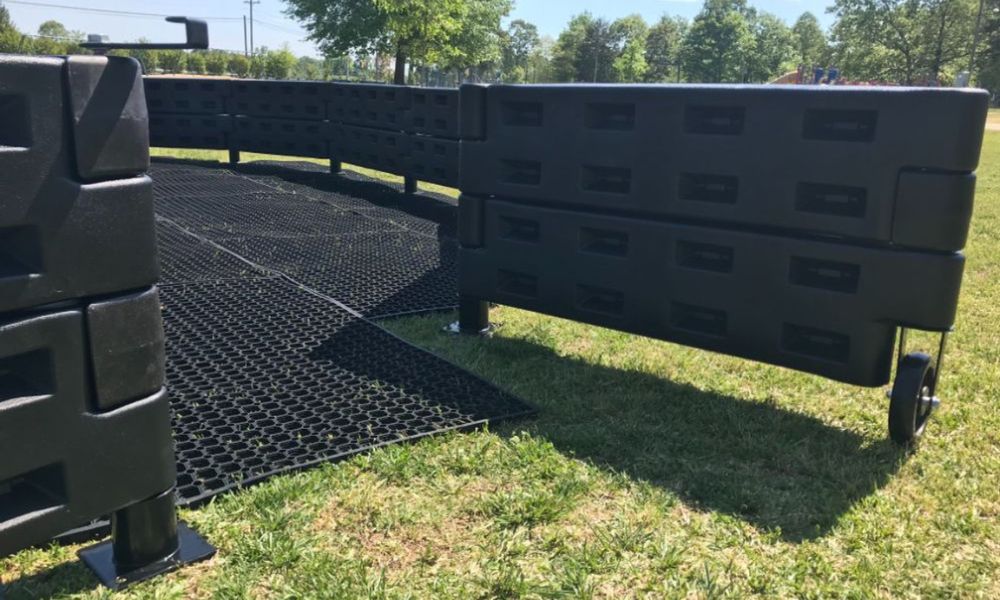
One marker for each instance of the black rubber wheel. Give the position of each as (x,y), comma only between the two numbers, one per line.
(912,398)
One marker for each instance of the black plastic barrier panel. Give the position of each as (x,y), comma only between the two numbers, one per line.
(403,130)
(301,100)
(71,456)
(794,225)
(281,136)
(190,131)
(811,305)
(374,148)
(369,105)
(84,417)
(171,95)
(886,164)
(433,111)
(60,236)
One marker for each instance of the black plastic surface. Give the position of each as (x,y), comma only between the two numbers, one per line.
(377,260)
(434,160)
(301,100)
(433,111)
(126,348)
(108,108)
(190,131)
(266,377)
(373,148)
(187,95)
(281,136)
(63,463)
(799,158)
(817,306)
(369,105)
(60,239)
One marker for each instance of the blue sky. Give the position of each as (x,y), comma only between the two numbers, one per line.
(274,29)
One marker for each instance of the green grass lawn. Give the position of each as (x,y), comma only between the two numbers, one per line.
(652,470)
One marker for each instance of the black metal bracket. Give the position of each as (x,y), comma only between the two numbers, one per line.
(146,541)
(196,31)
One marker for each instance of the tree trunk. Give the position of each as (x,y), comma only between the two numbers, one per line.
(400,76)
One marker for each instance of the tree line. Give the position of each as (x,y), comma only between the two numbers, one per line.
(444,42)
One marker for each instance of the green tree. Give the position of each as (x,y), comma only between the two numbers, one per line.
(149,59)
(568,47)
(278,64)
(216,62)
(196,63)
(239,65)
(55,29)
(773,50)
(173,61)
(11,40)
(629,34)
(811,47)
(309,69)
(902,40)
(663,45)
(452,32)
(518,43)
(718,42)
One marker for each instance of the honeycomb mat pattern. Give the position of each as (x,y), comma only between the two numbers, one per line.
(266,377)
(184,259)
(379,252)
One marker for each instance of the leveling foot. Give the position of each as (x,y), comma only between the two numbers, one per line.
(146,541)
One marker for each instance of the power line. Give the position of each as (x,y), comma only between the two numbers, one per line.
(277,27)
(108,11)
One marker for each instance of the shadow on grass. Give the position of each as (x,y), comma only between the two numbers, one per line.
(768,466)
(67,579)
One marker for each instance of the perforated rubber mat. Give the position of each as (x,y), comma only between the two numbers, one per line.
(265,377)
(362,242)
(270,366)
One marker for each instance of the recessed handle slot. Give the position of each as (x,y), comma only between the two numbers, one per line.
(699,187)
(521,172)
(600,300)
(20,252)
(26,375)
(609,180)
(698,319)
(521,114)
(714,120)
(603,241)
(15,122)
(615,117)
(517,284)
(705,257)
(817,343)
(825,274)
(519,230)
(836,200)
(32,492)
(840,125)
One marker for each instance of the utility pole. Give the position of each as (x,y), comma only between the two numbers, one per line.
(246,49)
(251,3)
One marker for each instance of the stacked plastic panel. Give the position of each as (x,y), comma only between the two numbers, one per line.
(397,129)
(84,420)
(791,225)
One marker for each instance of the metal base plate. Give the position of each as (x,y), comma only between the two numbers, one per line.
(455,329)
(100,560)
